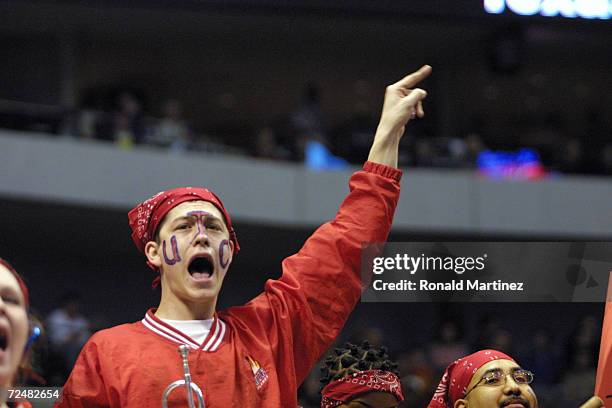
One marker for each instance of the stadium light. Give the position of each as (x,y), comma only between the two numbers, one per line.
(590,9)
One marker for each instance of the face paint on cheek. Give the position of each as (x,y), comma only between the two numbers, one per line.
(175,252)
(222,261)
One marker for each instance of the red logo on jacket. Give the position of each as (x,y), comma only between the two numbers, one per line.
(261,376)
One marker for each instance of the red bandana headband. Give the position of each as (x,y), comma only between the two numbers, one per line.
(351,386)
(22,285)
(458,375)
(145,217)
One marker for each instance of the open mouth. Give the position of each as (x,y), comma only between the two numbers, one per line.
(3,339)
(201,267)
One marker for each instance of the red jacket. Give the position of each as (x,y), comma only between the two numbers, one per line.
(256,355)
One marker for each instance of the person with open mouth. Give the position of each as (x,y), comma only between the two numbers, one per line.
(258,354)
(14,328)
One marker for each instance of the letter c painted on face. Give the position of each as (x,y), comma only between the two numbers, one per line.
(222,246)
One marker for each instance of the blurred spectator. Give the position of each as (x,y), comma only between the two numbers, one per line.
(541,358)
(571,156)
(578,382)
(425,154)
(474,145)
(448,346)
(85,122)
(353,138)
(457,150)
(266,146)
(606,159)
(124,136)
(585,338)
(128,122)
(417,377)
(598,157)
(543,132)
(309,118)
(171,131)
(502,340)
(227,125)
(487,326)
(68,328)
(308,121)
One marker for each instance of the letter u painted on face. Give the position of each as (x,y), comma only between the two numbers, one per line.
(222,261)
(176,257)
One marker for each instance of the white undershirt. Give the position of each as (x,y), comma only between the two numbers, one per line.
(196,329)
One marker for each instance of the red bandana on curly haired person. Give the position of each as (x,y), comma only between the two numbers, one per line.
(20,282)
(458,375)
(351,386)
(146,216)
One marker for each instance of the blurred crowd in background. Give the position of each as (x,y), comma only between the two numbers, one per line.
(123,118)
(306,84)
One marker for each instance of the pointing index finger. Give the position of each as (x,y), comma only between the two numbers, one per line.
(409,81)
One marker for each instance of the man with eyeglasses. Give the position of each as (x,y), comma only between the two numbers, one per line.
(487,379)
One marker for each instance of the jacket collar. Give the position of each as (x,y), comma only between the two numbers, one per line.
(213,341)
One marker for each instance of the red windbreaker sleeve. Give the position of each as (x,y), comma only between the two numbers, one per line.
(85,386)
(302,313)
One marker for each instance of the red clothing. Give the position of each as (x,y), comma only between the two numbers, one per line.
(603,381)
(255,355)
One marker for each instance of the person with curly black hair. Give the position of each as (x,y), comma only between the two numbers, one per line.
(360,376)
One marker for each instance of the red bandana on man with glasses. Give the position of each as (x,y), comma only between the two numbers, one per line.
(458,375)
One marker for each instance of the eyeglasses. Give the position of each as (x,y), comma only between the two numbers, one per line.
(498,377)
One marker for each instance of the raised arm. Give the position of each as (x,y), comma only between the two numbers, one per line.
(403,102)
(302,313)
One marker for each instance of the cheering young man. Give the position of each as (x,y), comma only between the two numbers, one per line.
(255,355)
